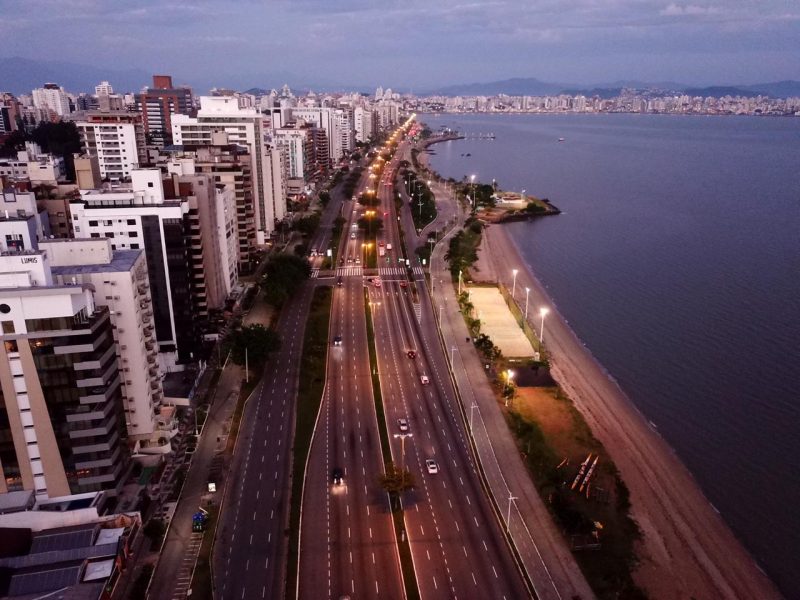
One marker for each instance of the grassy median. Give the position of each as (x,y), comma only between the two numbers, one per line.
(309,397)
(406,562)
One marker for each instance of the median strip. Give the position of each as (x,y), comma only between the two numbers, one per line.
(309,398)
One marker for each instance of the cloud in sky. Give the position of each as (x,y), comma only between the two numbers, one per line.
(415,43)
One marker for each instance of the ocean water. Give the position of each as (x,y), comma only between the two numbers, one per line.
(677,262)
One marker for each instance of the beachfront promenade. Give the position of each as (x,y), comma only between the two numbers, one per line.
(687,550)
(542,550)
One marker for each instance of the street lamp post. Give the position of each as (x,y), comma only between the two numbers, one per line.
(508,388)
(527,291)
(472,178)
(508,516)
(514,285)
(403,437)
(542,313)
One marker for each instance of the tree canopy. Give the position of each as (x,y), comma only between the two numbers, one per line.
(283,276)
(253,344)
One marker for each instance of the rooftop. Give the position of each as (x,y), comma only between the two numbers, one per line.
(122,261)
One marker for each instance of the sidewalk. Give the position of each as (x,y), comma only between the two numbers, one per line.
(179,553)
(543,552)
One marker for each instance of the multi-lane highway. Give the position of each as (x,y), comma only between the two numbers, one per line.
(251,546)
(457,545)
(347,543)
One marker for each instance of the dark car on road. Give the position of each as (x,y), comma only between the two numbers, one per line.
(337,476)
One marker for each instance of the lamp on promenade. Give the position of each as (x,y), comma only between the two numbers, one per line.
(472,178)
(527,291)
(514,285)
(542,313)
(509,377)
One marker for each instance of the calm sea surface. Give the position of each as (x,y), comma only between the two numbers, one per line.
(677,262)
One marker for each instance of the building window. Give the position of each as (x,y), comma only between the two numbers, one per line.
(134,246)
(131,221)
(133,234)
(91,223)
(95,235)
(8,327)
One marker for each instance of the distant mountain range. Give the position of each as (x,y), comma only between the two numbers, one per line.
(21,75)
(534,87)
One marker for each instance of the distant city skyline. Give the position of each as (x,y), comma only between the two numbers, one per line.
(413,45)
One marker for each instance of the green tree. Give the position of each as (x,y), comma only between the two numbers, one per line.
(253,344)
(372,224)
(397,480)
(307,225)
(283,276)
(324,197)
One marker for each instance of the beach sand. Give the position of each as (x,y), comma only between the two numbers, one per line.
(687,550)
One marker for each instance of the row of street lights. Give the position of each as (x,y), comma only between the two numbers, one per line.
(543,311)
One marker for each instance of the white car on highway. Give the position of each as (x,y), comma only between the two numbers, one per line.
(402,425)
(424,379)
(431,465)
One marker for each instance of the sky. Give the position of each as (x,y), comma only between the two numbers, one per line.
(414,44)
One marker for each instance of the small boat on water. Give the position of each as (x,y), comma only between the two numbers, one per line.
(560,139)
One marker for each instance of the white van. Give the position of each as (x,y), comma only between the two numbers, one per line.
(424,379)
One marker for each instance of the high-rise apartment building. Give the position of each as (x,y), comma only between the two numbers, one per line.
(139,216)
(116,138)
(230,165)
(214,237)
(62,426)
(121,283)
(52,97)
(158,104)
(247,127)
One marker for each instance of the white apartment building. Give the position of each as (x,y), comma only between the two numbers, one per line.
(22,224)
(116,138)
(364,123)
(244,126)
(296,145)
(120,281)
(138,216)
(344,124)
(51,97)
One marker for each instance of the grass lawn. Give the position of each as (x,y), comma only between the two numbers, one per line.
(555,440)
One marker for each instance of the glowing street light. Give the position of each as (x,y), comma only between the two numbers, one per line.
(514,285)
(542,313)
(527,291)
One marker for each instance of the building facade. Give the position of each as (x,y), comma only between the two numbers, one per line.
(158,104)
(116,138)
(62,427)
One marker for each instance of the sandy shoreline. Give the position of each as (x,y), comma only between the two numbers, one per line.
(687,550)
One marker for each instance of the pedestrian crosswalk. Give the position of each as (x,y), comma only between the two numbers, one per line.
(349,272)
(314,273)
(418,311)
(399,271)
